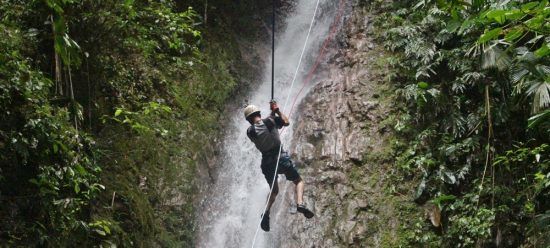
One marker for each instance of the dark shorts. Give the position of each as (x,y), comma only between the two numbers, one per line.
(285,167)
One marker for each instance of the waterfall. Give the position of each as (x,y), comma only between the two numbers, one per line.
(231,210)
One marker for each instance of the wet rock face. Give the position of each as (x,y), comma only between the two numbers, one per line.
(338,125)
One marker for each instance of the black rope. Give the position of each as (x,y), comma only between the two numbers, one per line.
(273,51)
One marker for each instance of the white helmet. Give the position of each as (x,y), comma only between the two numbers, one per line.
(249,110)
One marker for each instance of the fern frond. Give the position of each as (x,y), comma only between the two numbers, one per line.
(494,57)
(541,95)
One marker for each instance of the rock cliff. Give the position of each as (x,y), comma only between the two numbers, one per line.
(341,147)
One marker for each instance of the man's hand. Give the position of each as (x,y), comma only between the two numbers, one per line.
(273,106)
(275,110)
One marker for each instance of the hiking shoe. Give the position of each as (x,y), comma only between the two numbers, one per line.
(265,222)
(302,209)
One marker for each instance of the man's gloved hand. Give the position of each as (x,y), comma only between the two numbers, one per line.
(273,106)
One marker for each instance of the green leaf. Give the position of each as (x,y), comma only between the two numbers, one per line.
(498,15)
(514,34)
(543,50)
(118,112)
(489,35)
(138,127)
(536,22)
(449,177)
(539,176)
(538,119)
(513,15)
(423,85)
(453,26)
(440,200)
(55,148)
(100,186)
(53,4)
(63,147)
(60,26)
(529,6)
(420,189)
(100,232)
(80,169)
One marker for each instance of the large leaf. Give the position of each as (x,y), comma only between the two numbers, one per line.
(489,35)
(514,34)
(513,15)
(541,95)
(494,57)
(529,6)
(538,119)
(423,85)
(453,25)
(442,199)
(498,15)
(420,189)
(477,3)
(517,74)
(543,50)
(536,22)
(55,6)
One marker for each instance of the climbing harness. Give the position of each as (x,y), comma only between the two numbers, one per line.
(306,81)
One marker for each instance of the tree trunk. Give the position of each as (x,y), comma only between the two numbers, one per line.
(205,12)
(58,77)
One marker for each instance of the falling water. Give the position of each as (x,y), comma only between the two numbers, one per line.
(231,210)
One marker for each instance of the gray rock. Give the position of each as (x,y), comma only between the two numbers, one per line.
(338,122)
(342,190)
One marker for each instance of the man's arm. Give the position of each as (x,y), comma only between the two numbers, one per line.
(283,117)
(280,119)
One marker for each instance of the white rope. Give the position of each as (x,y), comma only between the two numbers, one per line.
(284,107)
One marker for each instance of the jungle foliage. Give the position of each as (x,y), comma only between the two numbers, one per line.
(474,77)
(105,107)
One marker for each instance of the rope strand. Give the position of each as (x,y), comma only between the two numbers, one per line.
(322,53)
(286,102)
(273,50)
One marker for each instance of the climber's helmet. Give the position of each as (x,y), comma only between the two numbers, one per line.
(250,111)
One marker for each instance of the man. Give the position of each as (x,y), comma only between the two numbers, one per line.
(264,134)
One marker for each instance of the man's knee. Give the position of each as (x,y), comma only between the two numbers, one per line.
(298,180)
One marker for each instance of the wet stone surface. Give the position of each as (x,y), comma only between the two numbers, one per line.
(338,124)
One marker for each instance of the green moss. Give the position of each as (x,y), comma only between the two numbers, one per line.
(356,174)
(149,171)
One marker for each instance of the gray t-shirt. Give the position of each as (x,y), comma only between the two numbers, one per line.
(265,134)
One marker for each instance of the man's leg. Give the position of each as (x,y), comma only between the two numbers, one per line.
(265,216)
(292,174)
(301,207)
(273,196)
(299,191)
